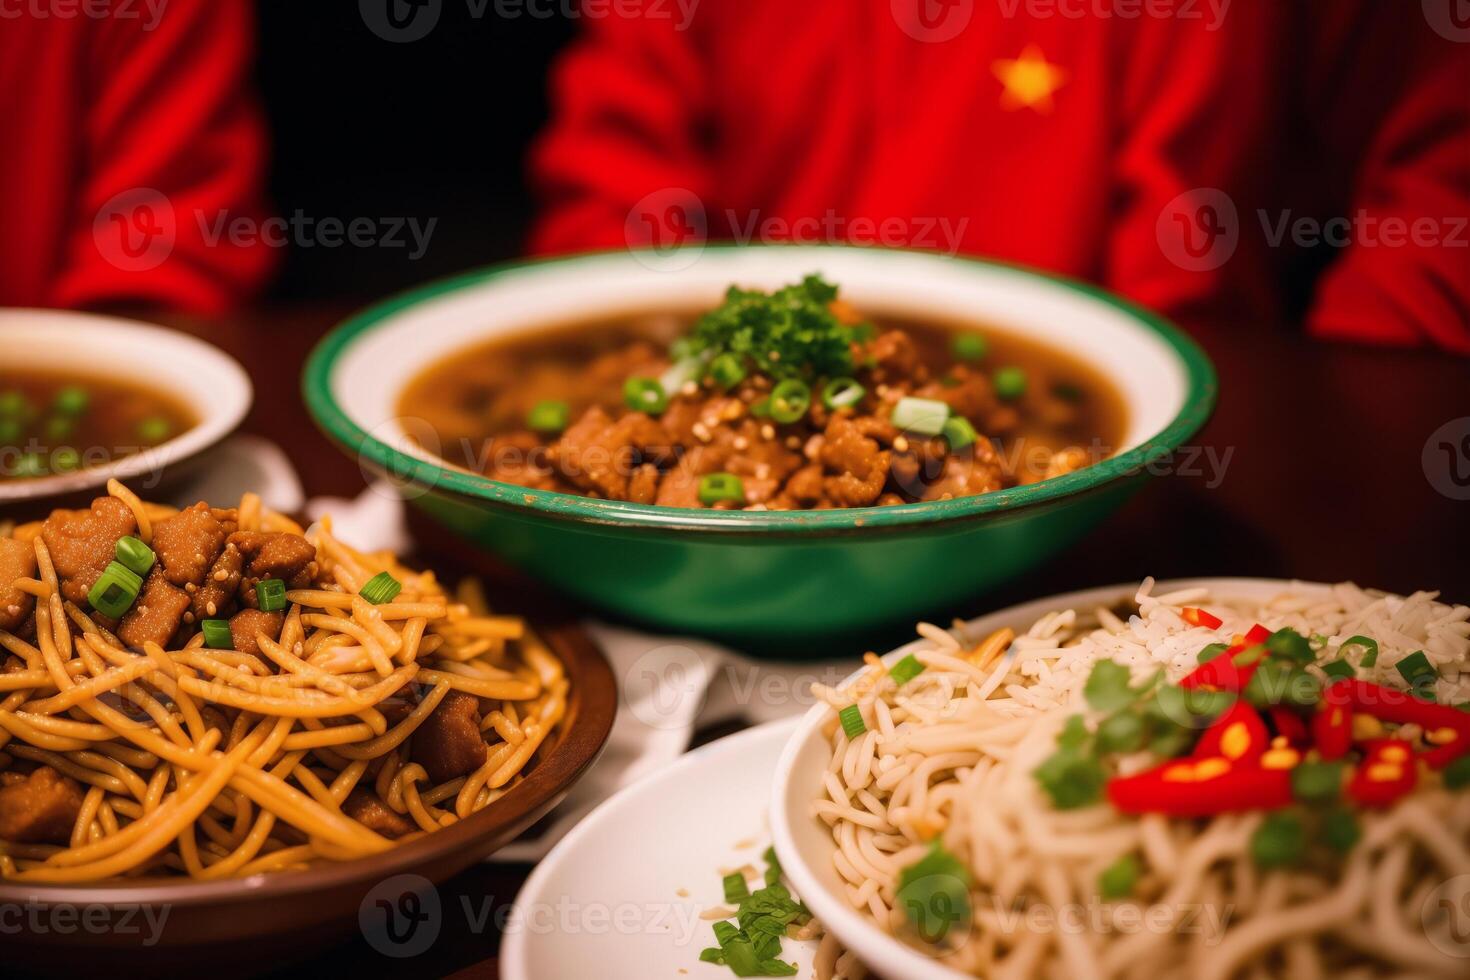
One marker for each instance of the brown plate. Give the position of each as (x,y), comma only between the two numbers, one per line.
(273,914)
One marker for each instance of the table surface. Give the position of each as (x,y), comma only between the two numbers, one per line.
(1313,467)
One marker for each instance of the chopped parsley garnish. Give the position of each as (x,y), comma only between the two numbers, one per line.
(752,948)
(934,892)
(790,333)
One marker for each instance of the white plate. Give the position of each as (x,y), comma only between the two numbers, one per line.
(606,901)
(804,843)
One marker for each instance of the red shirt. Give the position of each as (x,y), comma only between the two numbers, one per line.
(1184,161)
(127,136)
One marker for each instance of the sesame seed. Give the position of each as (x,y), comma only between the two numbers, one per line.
(768,432)
(701,431)
(211,608)
(762,471)
(793,442)
(901,444)
(741,443)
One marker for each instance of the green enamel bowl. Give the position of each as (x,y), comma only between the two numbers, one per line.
(772,578)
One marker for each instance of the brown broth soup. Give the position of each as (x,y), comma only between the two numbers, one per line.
(54,423)
(1035,411)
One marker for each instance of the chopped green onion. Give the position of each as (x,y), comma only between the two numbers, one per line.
(959,433)
(13,405)
(1317,782)
(1010,383)
(65,459)
(682,372)
(71,400)
(789,400)
(1418,671)
(217,635)
(1211,652)
(379,589)
(28,464)
(550,417)
(115,590)
(270,594)
(1119,878)
(645,395)
(736,890)
(1340,829)
(1067,392)
(10,432)
(842,393)
(721,488)
(1457,773)
(59,428)
(136,555)
(1276,682)
(934,892)
(712,954)
(1338,669)
(852,721)
(1370,649)
(1291,645)
(773,866)
(154,430)
(761,407)
(969,346)
(922,415)
(906,670)
(727,370)
(1279,841)
(861,332)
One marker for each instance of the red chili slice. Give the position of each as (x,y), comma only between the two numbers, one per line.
(1225,672)
(1199,617)
(1387,773)
(1289,725)
(1450,726)
(1201,788)
(1332,725)
(1238,735)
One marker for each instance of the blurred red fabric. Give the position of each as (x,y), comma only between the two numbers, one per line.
(1186,161)
(131,144)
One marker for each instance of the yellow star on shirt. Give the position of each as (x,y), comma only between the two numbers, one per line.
(1029,80)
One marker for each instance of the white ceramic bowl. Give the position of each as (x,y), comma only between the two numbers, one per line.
(803,842)
(210,383)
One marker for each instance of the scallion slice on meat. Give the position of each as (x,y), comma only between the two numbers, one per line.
(970,346)
(645,395)
(721,488)
(270,594)
(71,400)
(1010,383)
(842,393)
(789,400)
(906,670)
(154,430)
(852,721)
(683,371)
(727,371)
(959,433)
(217,634)
(549,417)
(115,590)
(922,415)
(379,589)
(135,555)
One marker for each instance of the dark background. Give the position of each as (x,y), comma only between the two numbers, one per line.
(435,128)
